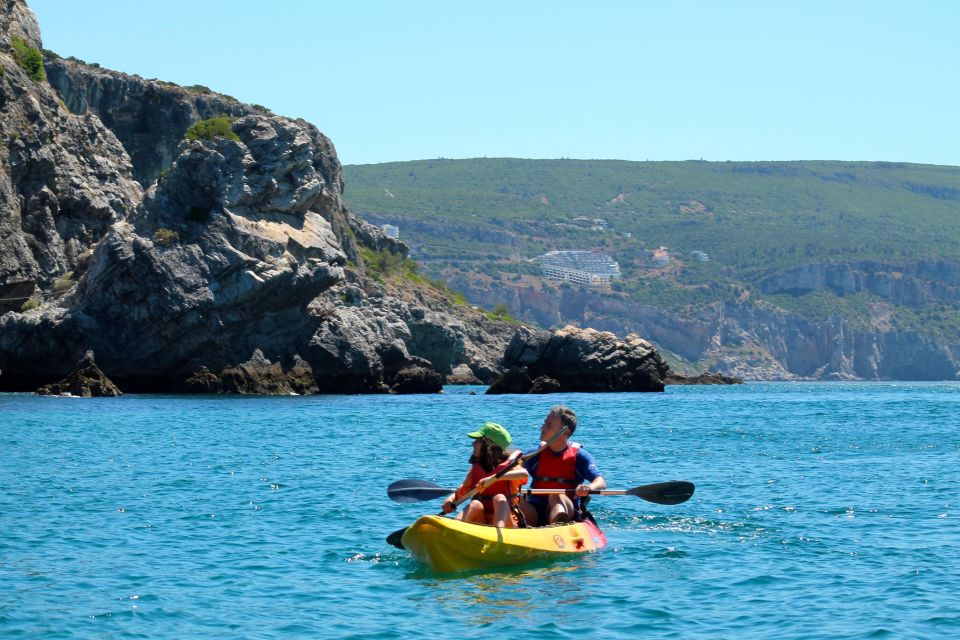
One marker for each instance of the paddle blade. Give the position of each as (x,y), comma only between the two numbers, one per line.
(396,538)
(416,491)
(673,492)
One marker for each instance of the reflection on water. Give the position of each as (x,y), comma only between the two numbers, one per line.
(498,596)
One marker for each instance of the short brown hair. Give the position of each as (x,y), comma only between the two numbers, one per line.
(568,418)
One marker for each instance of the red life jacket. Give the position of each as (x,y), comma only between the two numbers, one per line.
(509,488)
(557,471)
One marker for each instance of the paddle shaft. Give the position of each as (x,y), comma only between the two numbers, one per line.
(570,492)
(672,492)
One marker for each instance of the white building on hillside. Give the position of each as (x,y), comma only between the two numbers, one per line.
(391,231)
(589,268)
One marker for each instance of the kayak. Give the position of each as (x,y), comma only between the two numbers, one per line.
(446,545)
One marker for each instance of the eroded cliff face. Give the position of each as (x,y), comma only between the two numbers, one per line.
(149,117)
(17,20)
(64,179)
(758,341)
(237,270)
(913,284)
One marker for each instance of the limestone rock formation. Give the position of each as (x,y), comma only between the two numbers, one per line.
(64,179)
(85,380)
(572,359)
(132,107)
(16,19)
(215,272)
(417,379)
(237,269)
(701,378)
(463,375)
(754,341)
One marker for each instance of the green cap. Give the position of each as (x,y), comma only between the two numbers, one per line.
(493,432)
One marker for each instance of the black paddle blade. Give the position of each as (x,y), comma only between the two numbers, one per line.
(416,491)
(396,537)
(673,492)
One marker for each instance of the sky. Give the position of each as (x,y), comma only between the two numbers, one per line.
(631,80)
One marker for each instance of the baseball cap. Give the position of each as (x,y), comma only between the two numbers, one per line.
(494,432)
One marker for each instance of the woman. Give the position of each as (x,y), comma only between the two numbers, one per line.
(496,499)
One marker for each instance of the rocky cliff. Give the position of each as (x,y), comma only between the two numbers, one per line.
(226,263)
(757,341)
(912,284)
(64,179)
(149,117)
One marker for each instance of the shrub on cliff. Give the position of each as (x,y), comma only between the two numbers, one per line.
(29,59)
(165,236)
(63,283)
(382,264)
(218,127)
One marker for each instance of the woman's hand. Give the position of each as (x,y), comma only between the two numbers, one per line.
(484,483)
(449,506)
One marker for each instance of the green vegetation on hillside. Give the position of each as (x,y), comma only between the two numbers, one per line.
(753,219)
(218,127)
(383,264)
(165,236)
(29,59)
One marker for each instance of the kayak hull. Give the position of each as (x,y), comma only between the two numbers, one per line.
(446,545)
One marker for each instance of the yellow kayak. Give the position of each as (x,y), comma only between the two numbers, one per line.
(446,545)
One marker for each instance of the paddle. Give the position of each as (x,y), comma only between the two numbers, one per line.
(673,492)
(395,537)
(416,491)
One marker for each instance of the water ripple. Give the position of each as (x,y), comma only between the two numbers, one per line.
(821,511)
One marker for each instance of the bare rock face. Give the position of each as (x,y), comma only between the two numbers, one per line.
(16,19)
(86,380)
(208,285)
(227,275)
(572,359)
(64,179)
(149,117)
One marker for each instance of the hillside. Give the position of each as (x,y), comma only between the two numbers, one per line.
(868,248)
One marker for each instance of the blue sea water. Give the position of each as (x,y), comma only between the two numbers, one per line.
(821,511)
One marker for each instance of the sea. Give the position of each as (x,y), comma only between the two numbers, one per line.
(822,510)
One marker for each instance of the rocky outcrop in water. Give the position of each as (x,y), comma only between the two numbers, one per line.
(585,360)
(701,378)
(86,381)
(237,271)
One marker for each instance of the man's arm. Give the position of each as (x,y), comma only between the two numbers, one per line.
(589,473)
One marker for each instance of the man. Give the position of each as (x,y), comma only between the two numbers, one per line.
(562,465)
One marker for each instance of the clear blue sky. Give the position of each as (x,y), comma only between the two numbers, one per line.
(634,80)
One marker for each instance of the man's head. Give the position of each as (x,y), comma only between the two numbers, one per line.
(559,416)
